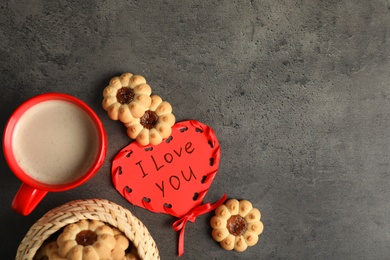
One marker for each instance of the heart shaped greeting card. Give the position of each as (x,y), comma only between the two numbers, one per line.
(172,177)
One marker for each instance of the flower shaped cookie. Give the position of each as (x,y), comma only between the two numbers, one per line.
(122,243)
(236,225)
(154,125)
(126,97)
(122,246)
(86,240)
(49,250)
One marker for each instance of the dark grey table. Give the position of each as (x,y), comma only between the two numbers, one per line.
(298,93)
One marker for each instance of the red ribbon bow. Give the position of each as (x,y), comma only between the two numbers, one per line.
(191,216)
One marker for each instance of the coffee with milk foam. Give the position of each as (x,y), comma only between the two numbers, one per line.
(55,142)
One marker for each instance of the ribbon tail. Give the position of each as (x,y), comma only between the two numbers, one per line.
(180,245)
(191,216)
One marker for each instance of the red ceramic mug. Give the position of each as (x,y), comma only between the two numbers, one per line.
(52,142)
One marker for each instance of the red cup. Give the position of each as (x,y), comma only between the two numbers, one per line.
(52,142)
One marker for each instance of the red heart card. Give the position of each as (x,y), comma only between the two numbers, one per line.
(172,177)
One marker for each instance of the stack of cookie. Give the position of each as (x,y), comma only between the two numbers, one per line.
(148,119)
(88,239)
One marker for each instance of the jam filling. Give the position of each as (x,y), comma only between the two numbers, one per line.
(149,119)
(236,225)
(86,238)
(125,95)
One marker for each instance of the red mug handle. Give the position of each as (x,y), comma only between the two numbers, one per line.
(27,198)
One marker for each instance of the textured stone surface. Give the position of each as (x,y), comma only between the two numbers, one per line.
(298,93)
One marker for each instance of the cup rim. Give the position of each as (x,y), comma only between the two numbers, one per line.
(9,130)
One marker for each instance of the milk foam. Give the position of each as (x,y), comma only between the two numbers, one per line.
(55,142)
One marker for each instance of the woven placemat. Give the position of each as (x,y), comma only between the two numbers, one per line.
(91,209)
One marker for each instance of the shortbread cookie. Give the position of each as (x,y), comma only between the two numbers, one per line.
(86,240)
(126,97)
(236,225)
(154,125)
(122,243)
(132,255)
(49,250)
